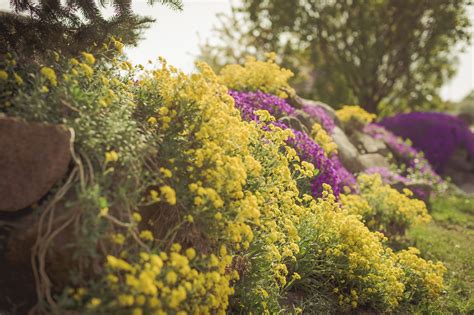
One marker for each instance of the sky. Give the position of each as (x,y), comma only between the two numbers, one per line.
(176,36)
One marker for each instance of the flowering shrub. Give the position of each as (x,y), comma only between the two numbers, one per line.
(383,207)
(423,279)
(438,135)
(340,257)
(353,114)
(254,75)
(180,206)
(413,164)
(321,116)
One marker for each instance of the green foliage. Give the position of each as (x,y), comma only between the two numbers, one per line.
(70,27)
(449,238)
(389,56)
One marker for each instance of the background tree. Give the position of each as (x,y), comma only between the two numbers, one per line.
(70,26)
(386,55)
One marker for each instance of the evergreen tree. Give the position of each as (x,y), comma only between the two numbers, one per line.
(70,26)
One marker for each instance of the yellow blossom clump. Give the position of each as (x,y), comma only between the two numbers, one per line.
(423,279)
(168,194)
(384,208)
(325,141)
(89,58)
(3,75)
(50,75)
(176,285)
(354,113)
(265,76)
(339,254)
(111,156)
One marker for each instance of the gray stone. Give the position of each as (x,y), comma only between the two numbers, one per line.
(33,158)
(369,144)
(373,160)
(348,153)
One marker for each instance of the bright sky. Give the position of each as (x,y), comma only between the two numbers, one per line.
(175,36)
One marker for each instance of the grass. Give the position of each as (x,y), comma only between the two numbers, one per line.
(450,238)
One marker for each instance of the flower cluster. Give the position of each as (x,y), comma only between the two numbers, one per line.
(383,207)
(161,283)
(254,75)
(318,113)
(249,102)
(354,114)
(413,163)
(324,140)
(438,135)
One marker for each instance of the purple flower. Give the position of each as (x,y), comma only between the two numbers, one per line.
(248,102)
(438,135)
(388,176)
(321,116)
(405,152)
(306,148)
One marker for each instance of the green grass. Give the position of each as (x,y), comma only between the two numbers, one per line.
(450,238)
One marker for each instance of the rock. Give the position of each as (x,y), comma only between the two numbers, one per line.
(348,153)
(33,157)
(369,144)
(461,170)
(373,160)
(304,119)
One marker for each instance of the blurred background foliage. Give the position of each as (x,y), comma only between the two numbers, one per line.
(386,55)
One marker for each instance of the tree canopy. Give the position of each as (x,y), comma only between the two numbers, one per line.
(386,55)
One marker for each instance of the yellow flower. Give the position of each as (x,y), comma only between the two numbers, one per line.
(87,70)
(103,212)
(169,194)
(89,58)
(146,235)
(190,253)
(136,217)
(111,156)
(117,263)
(94,302)
(118,238)
(18,79)
(152,120)
(3,75)
(73,61)
(50,75)
(154,195)
(171,277)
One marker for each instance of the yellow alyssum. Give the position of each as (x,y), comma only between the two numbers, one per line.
(354,112)
(50,75)
(325,141)
(265,76)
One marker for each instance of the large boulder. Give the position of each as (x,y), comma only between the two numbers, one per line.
(348,153)
(33,158)
(373,160)
(368,144)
